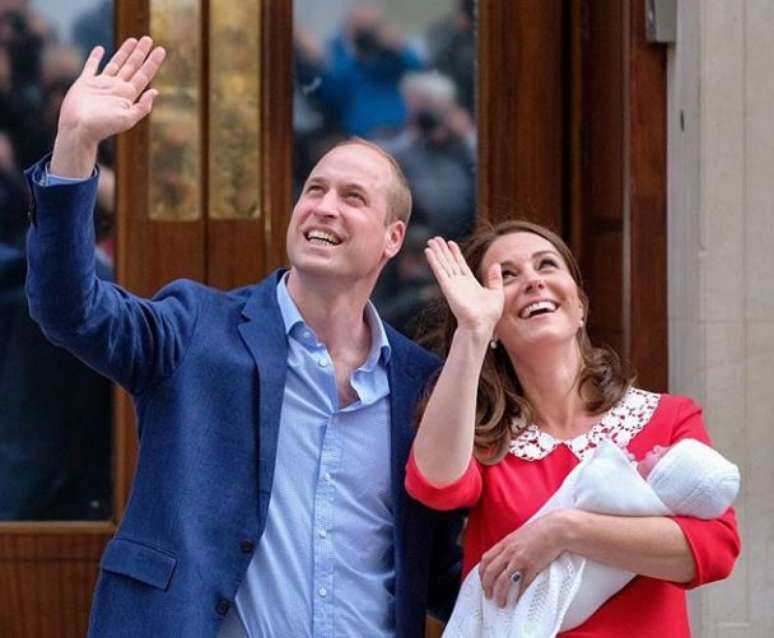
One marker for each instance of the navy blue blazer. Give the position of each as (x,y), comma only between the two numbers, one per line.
(206,370)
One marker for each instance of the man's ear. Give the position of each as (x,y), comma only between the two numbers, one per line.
(394,233)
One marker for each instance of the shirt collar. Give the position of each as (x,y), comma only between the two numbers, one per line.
(380,346)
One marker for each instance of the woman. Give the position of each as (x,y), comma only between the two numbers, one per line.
(522,398)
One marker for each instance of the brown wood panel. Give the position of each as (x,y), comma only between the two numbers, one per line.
(47,582)
(601,165)
(623,169)
(277,140)
(240,252)
(521,114)
(645,267)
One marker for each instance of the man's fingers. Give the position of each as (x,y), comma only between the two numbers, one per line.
(136,58)
(148,70)
(143,106)
(92,63)
(119,57)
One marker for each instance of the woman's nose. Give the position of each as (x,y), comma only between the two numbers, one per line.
(534,280)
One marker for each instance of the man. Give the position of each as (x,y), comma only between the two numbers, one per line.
(274,420)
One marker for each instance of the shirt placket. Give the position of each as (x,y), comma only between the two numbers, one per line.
(324,503)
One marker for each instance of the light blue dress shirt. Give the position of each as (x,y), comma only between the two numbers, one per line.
(324,566)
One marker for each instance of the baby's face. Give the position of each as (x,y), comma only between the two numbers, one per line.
(649,461)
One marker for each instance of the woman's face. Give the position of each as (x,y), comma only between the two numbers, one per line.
(542,306)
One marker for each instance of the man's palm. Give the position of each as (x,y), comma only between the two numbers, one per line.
(99,105)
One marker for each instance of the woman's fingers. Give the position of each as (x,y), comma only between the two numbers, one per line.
(491,570)
(444,255)
(494,277)
(459,258)
(509,578)
(439,272)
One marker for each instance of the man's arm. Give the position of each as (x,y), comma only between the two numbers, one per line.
(134,341)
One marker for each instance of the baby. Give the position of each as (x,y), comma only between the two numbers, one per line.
(688,479)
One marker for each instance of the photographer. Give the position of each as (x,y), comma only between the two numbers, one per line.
(361,74)
(437,152)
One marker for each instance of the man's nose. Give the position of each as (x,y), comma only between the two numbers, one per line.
(327,205)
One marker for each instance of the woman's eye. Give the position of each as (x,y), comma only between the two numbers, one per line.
(548,263)
(508,274)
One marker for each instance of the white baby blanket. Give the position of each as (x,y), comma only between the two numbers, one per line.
(605,482)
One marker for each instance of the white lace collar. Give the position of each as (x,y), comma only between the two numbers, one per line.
(619,424)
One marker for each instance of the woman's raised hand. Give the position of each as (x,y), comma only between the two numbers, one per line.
(99,105)
(477,308)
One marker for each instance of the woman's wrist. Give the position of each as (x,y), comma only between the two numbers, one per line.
(567,526)
(474,336)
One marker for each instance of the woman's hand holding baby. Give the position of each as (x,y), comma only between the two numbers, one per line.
(527,550)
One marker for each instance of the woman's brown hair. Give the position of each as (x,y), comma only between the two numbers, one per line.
(502,410)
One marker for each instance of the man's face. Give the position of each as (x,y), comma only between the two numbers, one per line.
(338,224)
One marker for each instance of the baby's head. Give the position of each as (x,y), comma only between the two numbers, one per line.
(691,478)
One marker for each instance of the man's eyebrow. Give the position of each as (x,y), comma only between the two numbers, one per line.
(354,186)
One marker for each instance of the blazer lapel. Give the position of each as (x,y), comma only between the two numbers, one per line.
(264,335)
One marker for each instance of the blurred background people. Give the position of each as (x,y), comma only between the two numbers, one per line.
(55,413)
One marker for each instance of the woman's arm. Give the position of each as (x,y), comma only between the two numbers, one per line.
(443,446)
(650,546)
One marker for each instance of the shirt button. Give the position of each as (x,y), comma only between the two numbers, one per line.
(222,607)
(322,362)
(323,592)
(323,533)
(307,334)
(247,546)
(327,477)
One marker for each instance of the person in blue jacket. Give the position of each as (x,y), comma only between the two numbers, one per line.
(274,420)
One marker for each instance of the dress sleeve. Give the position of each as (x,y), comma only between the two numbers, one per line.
(464,492)
(715,544)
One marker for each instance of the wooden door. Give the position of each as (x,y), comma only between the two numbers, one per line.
(571,115)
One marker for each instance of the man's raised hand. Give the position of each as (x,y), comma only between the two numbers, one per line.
(99,105)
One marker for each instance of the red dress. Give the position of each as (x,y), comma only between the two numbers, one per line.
(504,496)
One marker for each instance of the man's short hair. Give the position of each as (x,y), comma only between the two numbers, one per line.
(399,195)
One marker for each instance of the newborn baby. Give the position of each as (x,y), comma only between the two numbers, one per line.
(688,479)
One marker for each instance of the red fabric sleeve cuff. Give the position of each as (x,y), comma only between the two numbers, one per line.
(715,546)
(464,492)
